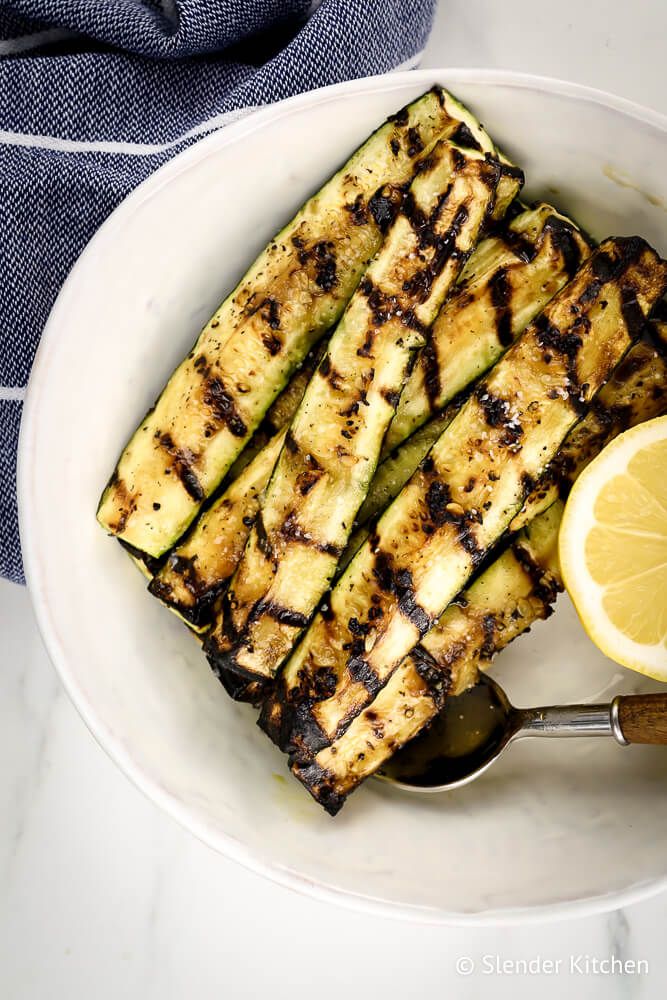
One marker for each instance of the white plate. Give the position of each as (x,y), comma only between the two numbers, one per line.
(554,828)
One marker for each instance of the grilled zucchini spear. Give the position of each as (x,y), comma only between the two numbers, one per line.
(530,258)
(295,290)
(516,590)
(463,497)
(333,444)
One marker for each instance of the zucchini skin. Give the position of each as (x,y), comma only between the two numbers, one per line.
(332,447)
(465,493)
(295,290)
(516,590)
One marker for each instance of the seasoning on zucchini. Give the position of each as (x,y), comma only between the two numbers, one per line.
(466,492)
(333,443)
(295,290)
(517,589)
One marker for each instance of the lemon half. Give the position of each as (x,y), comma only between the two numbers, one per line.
(613,549)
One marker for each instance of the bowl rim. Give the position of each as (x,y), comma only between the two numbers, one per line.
(220,841)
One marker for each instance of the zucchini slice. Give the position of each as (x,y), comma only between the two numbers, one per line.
(464,495)
(517,589)
(295,290)
(332,447)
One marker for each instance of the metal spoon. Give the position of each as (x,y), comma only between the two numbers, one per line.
(476,727)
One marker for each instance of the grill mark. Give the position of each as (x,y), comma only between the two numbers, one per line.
(421,283)
(392,397)
(414,142)
(497,413)
(489,628)
(400,584)
(631,311)
(384,205)
(564,240)
(123,496)
(511,170)
(326,276)
(270,312)
(501,291)
(361,671)
(438,680)
(385,307)
(182,461)
(263,541)
(223,407)
(431,368)
(520,245)
(320,784)
(283,615)
(152,564)
(291,443)
(401,117)
(272,343)
(544,587)
(414,612)
(328,372)
(462,136)
(292,531)
(357,208)
(240,689)
(568,345)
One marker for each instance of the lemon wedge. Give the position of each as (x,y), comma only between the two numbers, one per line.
(613,549)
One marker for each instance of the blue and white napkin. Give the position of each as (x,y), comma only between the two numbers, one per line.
(96,94)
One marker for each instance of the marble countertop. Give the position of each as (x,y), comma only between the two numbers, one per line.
(103,896)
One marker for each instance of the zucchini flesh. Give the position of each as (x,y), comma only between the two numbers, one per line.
(517,589)
(331,449)
(466,492)
(295,290)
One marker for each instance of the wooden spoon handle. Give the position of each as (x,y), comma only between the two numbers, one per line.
(642,718)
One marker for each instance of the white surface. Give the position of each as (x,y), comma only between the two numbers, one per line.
(102,895)
(562,834)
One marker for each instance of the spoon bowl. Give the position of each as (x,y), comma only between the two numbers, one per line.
(476,727)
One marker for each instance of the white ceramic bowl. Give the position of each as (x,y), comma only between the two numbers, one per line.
(554,828)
